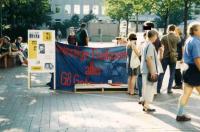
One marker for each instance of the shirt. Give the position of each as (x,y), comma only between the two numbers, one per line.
(81,36)
(192,49)
(170,39)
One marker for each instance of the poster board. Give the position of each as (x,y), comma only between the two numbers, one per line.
(41,53)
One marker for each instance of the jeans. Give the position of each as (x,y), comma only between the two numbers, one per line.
(178,77)
(172,67)
(139,84)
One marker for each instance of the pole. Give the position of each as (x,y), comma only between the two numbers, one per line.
(1,18)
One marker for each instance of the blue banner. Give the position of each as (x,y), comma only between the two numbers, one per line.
(78,65)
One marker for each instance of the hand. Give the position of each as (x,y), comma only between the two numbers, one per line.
(153,75)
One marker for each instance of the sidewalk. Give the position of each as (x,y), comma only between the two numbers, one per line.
(42,110)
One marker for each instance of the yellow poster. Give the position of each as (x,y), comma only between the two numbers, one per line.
(47,36)
(36,68)
(32,49)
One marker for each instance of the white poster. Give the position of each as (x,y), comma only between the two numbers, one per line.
(41,53)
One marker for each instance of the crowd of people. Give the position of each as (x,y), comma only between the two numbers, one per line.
(13,48)
(147,63)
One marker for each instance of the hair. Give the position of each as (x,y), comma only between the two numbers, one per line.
(83,25)
(148,25)
(193,27)
(179,31)
(151,33)
(7,38)
(19,38)
(171,27)
(132,36)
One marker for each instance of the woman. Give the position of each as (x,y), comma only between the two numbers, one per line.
(150,64)
(191,76)
(72,37)
(133,56)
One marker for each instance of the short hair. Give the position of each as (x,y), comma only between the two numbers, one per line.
(171,27)
(179,31)
(152,33)
(83,25)
(132,36)
(148,25)
(193,27)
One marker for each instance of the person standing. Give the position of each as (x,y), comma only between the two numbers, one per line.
(133,62)
(150,66)
(72,37)
(82,36)
(169,42)
(191,76)
(180,48)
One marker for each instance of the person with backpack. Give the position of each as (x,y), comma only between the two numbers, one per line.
(169,42)
(82,36)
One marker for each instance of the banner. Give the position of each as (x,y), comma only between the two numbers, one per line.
(83,65)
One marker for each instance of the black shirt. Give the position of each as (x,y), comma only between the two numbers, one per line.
(81,37)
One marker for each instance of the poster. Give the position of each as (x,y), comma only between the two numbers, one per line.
(41,53)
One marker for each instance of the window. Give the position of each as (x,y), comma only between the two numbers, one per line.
(76,9)
(86,9)
(68,9)
(103,10)
(58,8)
(95,9)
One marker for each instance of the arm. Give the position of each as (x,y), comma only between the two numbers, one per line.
(136,50)
(149,64)
(197,62)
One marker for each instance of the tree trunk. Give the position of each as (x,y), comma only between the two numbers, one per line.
(1,19)
(166,21)
(119,27)
(185,18)
(136,22)
(127,21)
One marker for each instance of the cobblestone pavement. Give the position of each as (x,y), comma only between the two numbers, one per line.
(42,110)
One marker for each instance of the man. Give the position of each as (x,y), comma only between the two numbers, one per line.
(169,43)
(82,36)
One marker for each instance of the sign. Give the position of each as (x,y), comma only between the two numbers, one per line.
(83,65)
(41,51)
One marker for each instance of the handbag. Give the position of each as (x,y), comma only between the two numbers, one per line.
(149,78)
(172,54)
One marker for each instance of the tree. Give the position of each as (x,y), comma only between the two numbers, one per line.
(25,14)
(88,17)
(164,8)
(187,6)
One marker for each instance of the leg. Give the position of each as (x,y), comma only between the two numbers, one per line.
(172,68)
(139,84)
(178,77)
(198,89)
(132,84)
(160,78)
(184,99)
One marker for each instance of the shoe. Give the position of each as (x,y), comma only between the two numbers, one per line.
(170,92)
(24,64)
(148,110)
(183,118)
(141,102)
(177,87)
(133,94)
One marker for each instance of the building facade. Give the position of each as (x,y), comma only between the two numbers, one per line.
(65,9)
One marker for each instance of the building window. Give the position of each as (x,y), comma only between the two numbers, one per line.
(95,9)
(103,10)
(58,9)
(67,9)
(76,9)
(86,9)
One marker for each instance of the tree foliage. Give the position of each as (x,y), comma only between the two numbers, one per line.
(25,14)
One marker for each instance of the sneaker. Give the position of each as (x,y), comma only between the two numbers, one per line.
(177,87)
(170,92)
(183,118)
(23,64)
